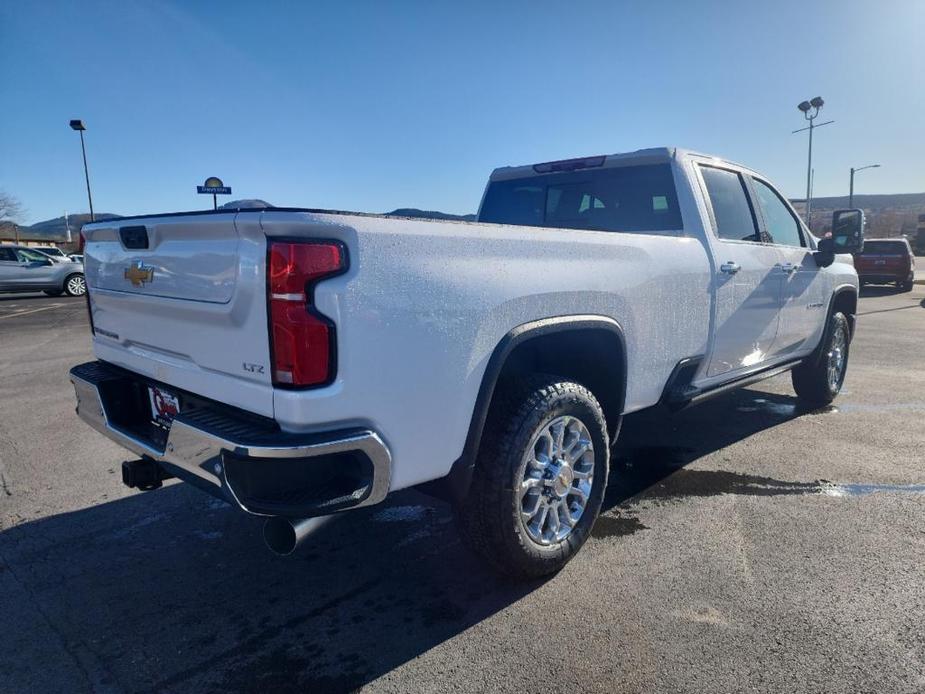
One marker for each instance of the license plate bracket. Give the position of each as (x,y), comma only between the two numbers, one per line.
(164,406)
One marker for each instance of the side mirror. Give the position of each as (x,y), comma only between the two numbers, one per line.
(847,237)
(848,231)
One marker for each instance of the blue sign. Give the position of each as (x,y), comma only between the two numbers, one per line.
(214,190)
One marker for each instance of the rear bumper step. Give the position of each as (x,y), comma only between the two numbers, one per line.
(242,458)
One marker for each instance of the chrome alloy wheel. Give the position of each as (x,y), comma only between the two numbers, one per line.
(556,477)
(76,286)
(837,358)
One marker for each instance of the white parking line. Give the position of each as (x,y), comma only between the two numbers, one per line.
(35,310)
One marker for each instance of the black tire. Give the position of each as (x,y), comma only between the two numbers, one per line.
(75,284)
(490,517)
(906,286)
(54,292)
(812,379)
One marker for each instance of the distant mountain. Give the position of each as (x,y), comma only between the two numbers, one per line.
(894,213)
(887,215)
(870,202)
(429,214)
(55,229)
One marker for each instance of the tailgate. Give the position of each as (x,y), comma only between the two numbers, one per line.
(182,299)
(193,258)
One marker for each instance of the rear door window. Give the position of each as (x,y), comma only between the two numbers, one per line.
(733,217)
(638,199)
(7,255)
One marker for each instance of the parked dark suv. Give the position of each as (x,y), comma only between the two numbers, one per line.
(886,261)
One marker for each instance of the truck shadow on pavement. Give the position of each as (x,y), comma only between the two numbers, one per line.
(645,469)
(173,591)
(875,290)
(169,591)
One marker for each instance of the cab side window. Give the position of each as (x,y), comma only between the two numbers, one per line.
(733,217)
(779,221)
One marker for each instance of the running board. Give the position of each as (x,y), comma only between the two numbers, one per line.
(677,396)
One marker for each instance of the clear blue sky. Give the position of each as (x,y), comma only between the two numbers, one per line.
(377,105)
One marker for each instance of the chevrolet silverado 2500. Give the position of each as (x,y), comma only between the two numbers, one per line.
(300,362)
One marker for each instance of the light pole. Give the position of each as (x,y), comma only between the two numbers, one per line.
(851,185)
(79,126)
(813,105)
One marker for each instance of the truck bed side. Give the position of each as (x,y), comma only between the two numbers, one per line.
(425,303)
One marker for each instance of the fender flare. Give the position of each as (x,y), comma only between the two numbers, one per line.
(455,485)
(816,354)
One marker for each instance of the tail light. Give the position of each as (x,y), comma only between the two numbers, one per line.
(302,340)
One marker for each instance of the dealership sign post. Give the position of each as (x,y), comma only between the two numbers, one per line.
(213,186)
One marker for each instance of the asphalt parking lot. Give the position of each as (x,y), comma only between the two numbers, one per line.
(747,545)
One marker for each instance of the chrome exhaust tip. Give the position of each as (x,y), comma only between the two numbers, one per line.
(283,535)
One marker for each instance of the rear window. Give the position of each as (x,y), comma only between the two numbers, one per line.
(885,248)
(626,198)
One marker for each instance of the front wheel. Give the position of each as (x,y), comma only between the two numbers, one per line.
(539,477)
(819,379)
(75,285)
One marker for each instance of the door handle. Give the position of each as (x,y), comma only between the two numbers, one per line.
(789,268)
(730,268)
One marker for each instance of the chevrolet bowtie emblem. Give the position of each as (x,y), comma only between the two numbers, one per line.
(138,273)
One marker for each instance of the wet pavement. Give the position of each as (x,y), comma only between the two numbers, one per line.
(747,544)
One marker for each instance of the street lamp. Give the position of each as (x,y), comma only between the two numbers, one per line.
(813,105)
(851,185)
(79,126)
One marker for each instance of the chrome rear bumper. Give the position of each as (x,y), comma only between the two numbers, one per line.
(202,443)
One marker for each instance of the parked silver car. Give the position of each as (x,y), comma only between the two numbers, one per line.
(25,270)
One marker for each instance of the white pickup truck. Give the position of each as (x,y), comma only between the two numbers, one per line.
(301,362)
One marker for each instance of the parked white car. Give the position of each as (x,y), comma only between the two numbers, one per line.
(302,362)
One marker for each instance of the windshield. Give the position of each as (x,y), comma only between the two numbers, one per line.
(627,198)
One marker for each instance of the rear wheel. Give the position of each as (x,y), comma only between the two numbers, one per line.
(75,285)
(819,379)
(539,478)
(906,286)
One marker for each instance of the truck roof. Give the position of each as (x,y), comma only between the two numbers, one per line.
(651,155)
